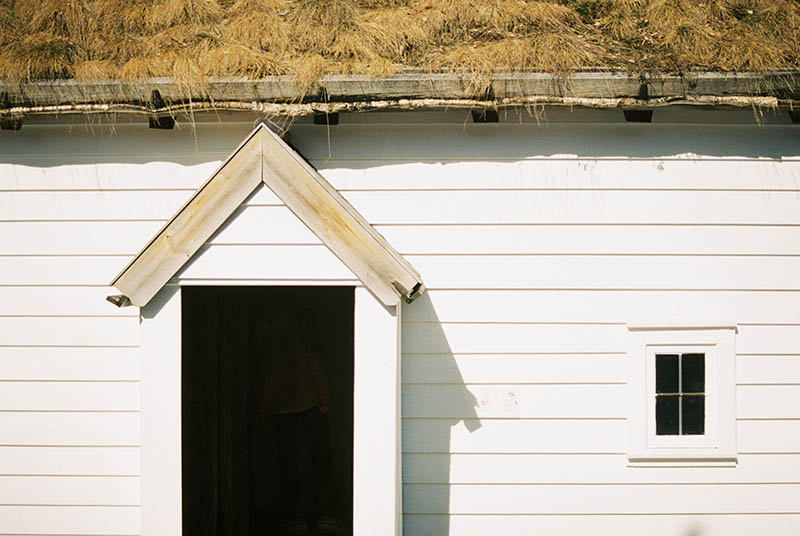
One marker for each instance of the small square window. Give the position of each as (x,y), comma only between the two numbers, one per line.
(681,385)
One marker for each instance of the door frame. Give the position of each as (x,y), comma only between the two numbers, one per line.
(377,475)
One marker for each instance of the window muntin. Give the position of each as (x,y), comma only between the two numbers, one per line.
(680,394)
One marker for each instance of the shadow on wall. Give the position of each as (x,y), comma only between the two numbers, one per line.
(435,400)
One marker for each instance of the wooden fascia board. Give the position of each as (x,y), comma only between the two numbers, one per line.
(410,84)
(337,223)
(194,223)
(265,157)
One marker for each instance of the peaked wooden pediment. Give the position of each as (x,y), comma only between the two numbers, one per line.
(263,157)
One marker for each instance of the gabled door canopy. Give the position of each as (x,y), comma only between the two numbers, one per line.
(265,157)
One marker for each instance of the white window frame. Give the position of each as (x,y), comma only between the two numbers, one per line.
(717,446)
(377,480)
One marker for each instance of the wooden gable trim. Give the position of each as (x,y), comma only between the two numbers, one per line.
(264,157)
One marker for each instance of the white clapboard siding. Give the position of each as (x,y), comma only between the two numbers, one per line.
(468,141)
(432,338)
(768,369)
(768,401)
(146,175)
(511,369)
(69,331)
(69,461)
(123,140)
(768,339)
(570,436)
(310,262)
(537,207)
(69,429)
(768,436)
(69,396)
(443,435)
(264,225)
(76,237)
(593,239)
(60,270)
(69,363)
(565,174)
(603,306)
(60,301)
(609,272)
(532,401)
(70,490)
(603,525)
(91,205)
(85,520)
(604,499)
(588,469)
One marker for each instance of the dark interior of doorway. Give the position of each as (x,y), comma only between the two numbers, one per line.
(231,475)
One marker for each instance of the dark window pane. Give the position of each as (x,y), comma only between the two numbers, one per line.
(693,373)
(694,414)
(666,373)
(667,415)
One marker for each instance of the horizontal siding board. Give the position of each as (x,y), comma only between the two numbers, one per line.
(431,338)
(588,469)
(609,272)
(768,436)
(606,499)
(264,225)
(534,401)
(500,368)
(603,525)
(768,401)
(773,339)
(72,490)
(91,205)
(265,262)
(768,369)
(61,301)
(139,174)
(64,363)
(98,461)
(59,271)
(76,238)
(69,331)
(124,140)
(84,520)
(469,141)
(565,368)
(569,206)
(593,239)
(69,396)
(443,435)
(602,306)
(569,174)
(69,429)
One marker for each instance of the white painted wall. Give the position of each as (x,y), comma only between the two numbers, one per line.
(537,244)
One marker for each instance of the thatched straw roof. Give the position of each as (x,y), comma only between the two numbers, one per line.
(192,41)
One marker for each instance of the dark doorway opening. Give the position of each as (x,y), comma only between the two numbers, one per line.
(234,453)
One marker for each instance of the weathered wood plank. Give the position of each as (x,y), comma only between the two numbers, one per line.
(408,84)
(203,214)
(329,216)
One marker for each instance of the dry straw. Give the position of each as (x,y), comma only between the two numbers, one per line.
(190,40)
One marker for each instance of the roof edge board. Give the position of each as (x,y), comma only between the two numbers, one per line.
(264,158)
(338,224)
(410,84)
(202,214)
